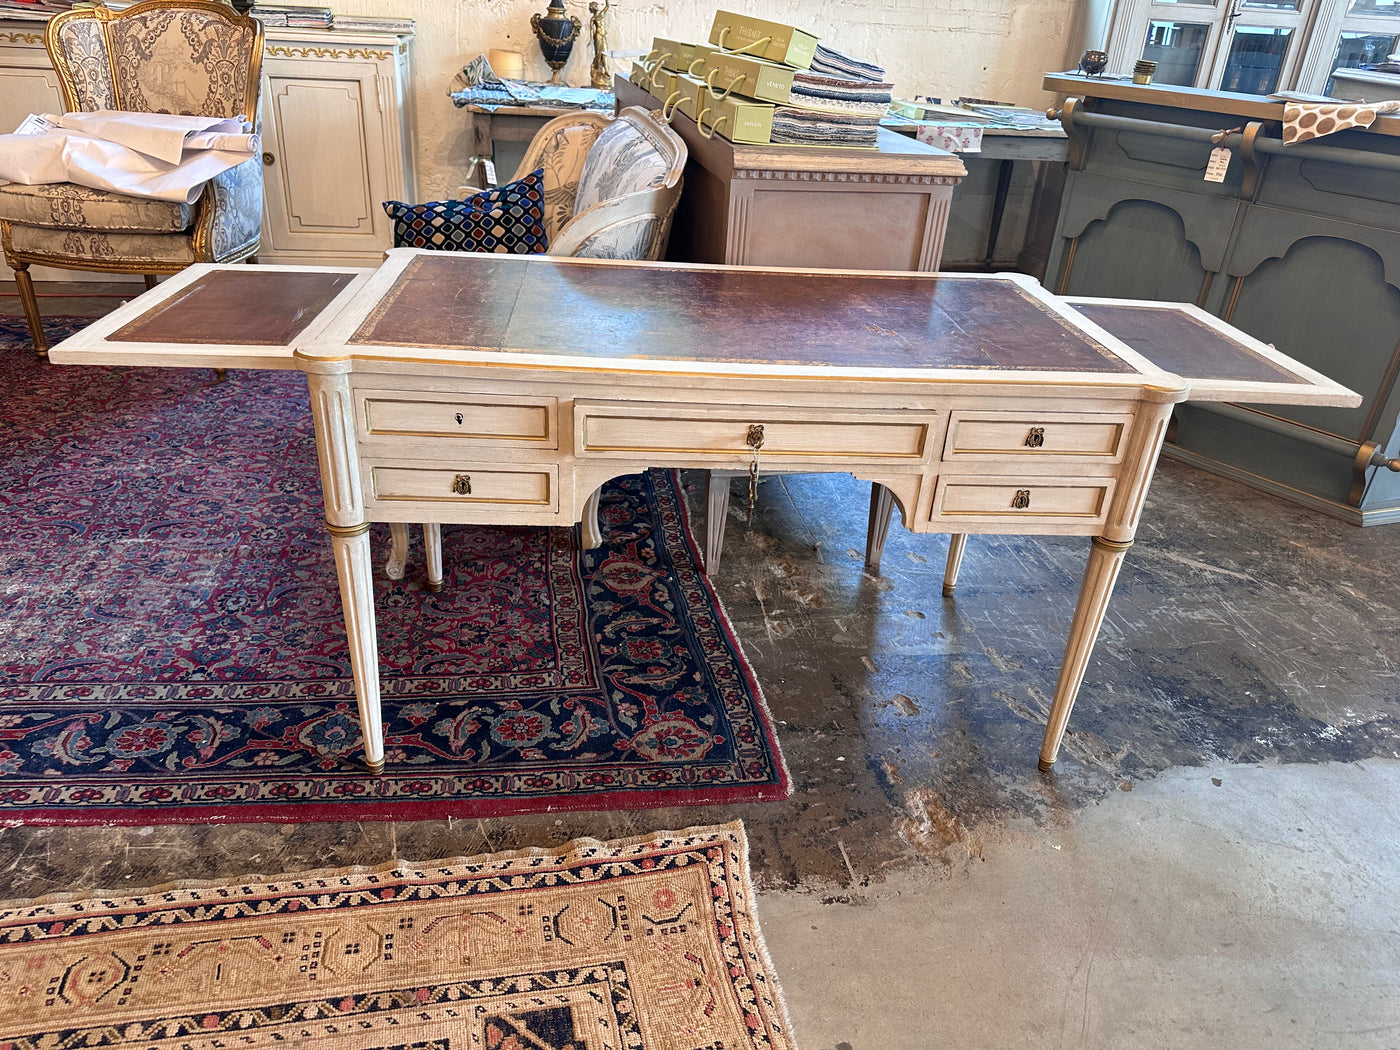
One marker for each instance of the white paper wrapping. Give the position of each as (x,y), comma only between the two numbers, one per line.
(63,154)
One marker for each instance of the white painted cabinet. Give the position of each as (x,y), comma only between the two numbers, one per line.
(337,137)
(337,142)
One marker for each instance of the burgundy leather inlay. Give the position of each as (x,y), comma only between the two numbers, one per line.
(247,305)
(727,316)
(1174,340)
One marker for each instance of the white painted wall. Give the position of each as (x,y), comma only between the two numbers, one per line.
(988,48)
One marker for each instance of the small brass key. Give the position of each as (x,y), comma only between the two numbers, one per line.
(755,441)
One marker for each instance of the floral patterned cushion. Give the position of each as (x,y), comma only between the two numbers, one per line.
(622,160)
(508,219)
(169,249)
(76,207)
(563,156)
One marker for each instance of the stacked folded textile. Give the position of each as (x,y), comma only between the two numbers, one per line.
(839,64)
(840,102)
(822,127)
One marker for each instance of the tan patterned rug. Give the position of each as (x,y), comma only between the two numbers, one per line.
(640,944)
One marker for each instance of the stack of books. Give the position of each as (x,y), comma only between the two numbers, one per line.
(32,10)
(292,15)
(372,23)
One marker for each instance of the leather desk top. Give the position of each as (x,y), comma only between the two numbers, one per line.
(1172,339)
(264,307)
(728,316)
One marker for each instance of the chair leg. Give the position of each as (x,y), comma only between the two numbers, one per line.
(878,528)
(716,513)
(150,279)
(25,285)
(397,563)
(957,543)
(432,548)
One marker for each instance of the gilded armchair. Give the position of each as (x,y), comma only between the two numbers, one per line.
(193,57)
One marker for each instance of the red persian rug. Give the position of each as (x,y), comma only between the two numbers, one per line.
(172,648)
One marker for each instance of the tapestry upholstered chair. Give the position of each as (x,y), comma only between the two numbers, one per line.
(610,184)
(610,188)
(193,57)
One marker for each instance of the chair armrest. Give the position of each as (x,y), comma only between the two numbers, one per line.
(634,226)
(229,221)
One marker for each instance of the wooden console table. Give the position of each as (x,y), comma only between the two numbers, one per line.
(854,209)
(981,403)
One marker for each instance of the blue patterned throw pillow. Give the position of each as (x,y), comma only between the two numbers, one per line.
(508,219)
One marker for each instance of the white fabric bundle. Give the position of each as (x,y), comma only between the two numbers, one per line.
(164,136)
(86,149)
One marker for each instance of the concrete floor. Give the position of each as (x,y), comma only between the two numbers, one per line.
(1213,862)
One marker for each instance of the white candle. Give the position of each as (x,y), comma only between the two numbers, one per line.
(508,65)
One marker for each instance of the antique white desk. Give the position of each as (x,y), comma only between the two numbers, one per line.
(450,388)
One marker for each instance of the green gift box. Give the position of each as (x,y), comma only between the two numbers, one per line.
(737,119)
(763,39)
(662,84)
(765,81)
(675,55)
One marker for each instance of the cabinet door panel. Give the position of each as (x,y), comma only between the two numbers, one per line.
(326,171)
(27,91)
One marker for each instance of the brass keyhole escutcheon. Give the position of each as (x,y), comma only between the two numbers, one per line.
(462,484)
(1021,500)
(459,419)
(1036,437)
(755,436)
(268,159)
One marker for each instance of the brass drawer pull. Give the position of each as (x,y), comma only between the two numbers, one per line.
(1036,437)
(462,484)
(1021,500)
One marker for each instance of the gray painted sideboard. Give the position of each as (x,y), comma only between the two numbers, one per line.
(1298,245)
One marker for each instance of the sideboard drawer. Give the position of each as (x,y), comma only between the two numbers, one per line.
(1052,435)
(680,429)
(1004,500)
(499,419)
(534,486)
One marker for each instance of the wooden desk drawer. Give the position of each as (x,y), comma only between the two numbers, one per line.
(533,486)
(1049,436)
(632,429)
(499,419)
(1005,500)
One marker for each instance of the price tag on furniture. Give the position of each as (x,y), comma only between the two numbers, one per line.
(1219,164)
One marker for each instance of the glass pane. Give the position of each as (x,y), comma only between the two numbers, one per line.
(1384,8)
(1184,3)
(1271,5)
(1176,48)
(1363,51)
(1256,55)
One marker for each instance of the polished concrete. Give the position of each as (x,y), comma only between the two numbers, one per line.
(1214,862)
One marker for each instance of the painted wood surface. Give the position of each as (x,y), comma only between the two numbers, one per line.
(1300,250)
(1060,439)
